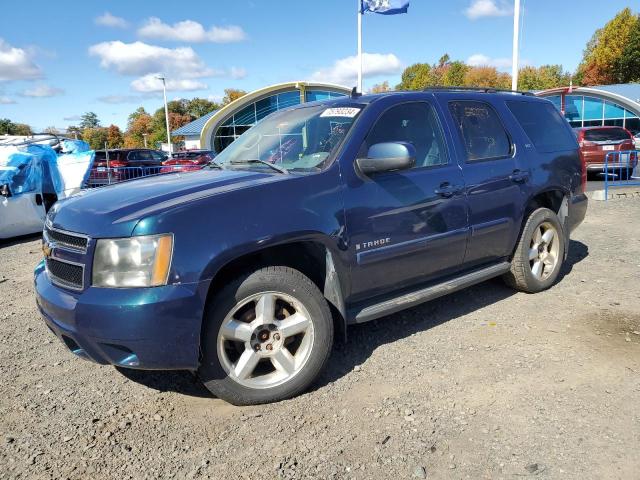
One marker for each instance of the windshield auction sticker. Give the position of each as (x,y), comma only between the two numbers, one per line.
(348,112)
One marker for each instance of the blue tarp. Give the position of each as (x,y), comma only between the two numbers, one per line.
(38,169)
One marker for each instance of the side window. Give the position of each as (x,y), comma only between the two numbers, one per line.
(415,123)
(544,126)
(482,132)
(158,156)
(133,156)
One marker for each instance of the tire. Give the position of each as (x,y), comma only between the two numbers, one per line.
(539,255)
(251,356)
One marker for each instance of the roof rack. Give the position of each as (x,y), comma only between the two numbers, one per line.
(54,139)
(477,89)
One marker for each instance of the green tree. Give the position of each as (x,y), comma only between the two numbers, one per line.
(74,131)
(603,53)
(454,76)
(52,130)
(5,126)
(415,77)
(380,87)
(89,120)
(627,67)
(542,78)
(96,137)
(198,107)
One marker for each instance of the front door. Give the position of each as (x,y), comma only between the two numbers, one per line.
(406,226)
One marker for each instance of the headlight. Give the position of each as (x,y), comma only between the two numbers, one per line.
(132,262)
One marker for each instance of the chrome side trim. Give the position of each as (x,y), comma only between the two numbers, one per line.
(414,298)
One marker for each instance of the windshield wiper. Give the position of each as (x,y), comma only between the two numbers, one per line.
(213,164)
(262,162)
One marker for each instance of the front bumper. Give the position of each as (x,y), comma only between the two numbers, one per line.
(145,328)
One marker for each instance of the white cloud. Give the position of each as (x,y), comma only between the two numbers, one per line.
(109,20)
(487,8)
(139,58)
(17,64)
(150,83)
(73,118)
(6,100)
(345,70)
(42,91)
(190,31)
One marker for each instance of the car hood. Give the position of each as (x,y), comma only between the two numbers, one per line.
(115,210)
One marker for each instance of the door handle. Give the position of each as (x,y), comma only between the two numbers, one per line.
(518,176)
(447,190)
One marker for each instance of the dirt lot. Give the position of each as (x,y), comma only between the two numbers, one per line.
(484,383)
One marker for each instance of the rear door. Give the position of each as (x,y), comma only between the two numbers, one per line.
(495,179)
(406,226)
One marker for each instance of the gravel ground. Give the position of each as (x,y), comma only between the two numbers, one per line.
(484,383)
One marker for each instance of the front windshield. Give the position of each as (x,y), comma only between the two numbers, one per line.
(296,140)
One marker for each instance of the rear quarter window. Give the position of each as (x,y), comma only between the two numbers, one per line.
(606,135)
(544,126)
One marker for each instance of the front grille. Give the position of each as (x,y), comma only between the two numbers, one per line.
(65,274)
(67,239)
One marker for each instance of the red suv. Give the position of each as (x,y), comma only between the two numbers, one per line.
(596,142)
(187,160)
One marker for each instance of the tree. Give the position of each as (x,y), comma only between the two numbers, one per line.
(627,67)
(231,94)
(542,78)
(381,87)
(415,77)
(603,53)
(52,130)
(138,125)
(75,131)
(487,77)
(454,76)
(95,137)
(198,107)
(89,120)
(114,137)
(7,127)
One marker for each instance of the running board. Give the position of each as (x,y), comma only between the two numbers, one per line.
(414,298)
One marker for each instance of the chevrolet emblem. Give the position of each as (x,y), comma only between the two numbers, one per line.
(46,249)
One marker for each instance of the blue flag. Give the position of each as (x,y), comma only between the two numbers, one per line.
(384,7)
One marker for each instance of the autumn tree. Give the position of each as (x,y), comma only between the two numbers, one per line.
(603,53)
(381,87)
(138,125)
(114,137)
(627,67)
(231,94)
(96,137)
(542,78)
(415,77)
(487,77)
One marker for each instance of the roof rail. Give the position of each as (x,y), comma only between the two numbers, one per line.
(31,139)
(476,89)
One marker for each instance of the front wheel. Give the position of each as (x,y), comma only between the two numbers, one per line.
(267,336)
(539,254)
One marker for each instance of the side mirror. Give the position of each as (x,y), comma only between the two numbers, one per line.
(388,157)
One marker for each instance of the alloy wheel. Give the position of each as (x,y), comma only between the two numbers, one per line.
(544,251)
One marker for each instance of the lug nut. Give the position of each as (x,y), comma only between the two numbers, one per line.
(257,348)
(276,336)
(269,346)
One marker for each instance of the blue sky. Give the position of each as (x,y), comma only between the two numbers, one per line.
(61,59)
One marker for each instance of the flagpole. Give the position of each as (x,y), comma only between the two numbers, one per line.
(516,35)
(359,47)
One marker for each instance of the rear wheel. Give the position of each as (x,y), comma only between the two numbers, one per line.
(539,254)
(267,337)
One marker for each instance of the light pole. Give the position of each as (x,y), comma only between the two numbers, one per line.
(166,111)
(144,136)
(516,44)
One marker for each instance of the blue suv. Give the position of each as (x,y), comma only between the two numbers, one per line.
(320,216)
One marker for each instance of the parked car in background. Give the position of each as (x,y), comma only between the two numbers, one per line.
(243,273)
(188,160)
(112,166)
(596,142)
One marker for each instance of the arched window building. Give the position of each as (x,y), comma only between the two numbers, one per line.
(216,130)
(612,105)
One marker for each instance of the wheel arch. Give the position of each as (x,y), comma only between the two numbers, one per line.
(314,256)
